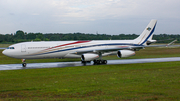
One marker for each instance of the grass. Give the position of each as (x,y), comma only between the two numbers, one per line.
(5,45)
(146,82)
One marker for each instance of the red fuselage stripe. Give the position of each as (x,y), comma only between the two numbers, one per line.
(68,44)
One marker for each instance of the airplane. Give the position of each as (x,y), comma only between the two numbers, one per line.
(86,50)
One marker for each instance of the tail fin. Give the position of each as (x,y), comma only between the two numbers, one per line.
(147,34)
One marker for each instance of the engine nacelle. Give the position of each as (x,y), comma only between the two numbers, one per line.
(125,53)
(89,57)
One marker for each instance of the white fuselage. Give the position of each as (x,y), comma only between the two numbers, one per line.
(61,49)
(77,49)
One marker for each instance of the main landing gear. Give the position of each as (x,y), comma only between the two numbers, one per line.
(95,62)
(100,61)
(24,63)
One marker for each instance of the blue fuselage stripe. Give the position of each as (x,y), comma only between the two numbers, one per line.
(115,44)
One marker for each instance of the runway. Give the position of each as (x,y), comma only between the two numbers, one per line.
(2,48)
(74,64)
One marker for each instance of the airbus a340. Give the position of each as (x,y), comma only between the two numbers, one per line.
(86,50)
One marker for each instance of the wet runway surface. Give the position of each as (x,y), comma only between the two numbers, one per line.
(73,64)
(2,48)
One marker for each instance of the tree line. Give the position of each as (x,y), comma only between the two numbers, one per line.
(21,36)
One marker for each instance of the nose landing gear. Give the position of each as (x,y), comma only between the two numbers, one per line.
(24,63)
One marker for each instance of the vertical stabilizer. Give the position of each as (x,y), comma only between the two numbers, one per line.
(147,34)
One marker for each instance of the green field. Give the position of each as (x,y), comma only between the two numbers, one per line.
(127,82)
(147,82)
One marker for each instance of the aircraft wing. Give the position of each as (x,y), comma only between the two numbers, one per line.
(120,48)
(107,49)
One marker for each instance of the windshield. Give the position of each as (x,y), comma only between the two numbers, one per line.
(10,48)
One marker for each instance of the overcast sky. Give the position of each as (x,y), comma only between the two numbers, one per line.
(89,16)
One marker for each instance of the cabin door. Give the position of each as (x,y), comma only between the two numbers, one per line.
(23,48)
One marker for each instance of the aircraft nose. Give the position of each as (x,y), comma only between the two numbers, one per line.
(5,52)
(8,53)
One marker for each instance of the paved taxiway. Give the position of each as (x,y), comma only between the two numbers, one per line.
(73,64)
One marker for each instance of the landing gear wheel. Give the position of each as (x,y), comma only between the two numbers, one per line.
(100,61)
(24,64)
(85,61)
(104,61)
(88,61)
(95,61)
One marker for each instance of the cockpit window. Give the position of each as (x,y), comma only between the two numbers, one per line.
(10,48)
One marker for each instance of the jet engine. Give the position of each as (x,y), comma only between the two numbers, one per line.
(125,53)
(89,57)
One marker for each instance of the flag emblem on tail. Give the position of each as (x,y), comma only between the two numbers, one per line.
(148,28)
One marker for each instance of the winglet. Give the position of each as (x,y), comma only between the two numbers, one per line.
(171,42)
